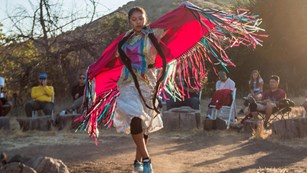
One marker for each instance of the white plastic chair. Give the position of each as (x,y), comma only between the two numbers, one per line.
(227,113)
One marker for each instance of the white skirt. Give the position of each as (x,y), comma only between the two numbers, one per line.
(129,104)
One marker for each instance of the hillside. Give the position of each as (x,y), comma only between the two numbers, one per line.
(104,26)
(283,53)
(105,29)
(65,56)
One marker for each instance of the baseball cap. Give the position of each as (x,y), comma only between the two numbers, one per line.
(42,76)
(2,82)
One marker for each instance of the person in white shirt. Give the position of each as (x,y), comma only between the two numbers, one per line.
(224,82)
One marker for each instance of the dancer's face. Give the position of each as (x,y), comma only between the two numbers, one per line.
(137,21)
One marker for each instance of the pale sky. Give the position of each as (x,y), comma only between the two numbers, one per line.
(103,7)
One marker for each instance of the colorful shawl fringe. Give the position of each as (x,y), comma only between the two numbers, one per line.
(194,36)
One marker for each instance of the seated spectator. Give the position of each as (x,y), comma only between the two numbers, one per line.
(223,94)
(255,85)
(191,98)
(256,89)
(269,101)
(42,96)
(77,92)
(193,101)
(224,82)
(5,106)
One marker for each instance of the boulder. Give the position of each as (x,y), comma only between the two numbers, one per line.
(47,165)
(16,167)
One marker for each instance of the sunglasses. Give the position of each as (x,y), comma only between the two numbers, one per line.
(82,78)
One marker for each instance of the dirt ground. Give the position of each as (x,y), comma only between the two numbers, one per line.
(178,151)
(189,151)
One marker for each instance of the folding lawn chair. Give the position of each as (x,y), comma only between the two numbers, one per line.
(227,113)
(282,111)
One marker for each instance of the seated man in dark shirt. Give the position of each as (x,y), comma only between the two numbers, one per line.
(191,98)
(5,105)
(193,101)
(269,100)
(77,92)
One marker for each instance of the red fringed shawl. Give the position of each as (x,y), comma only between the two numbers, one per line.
(193,36)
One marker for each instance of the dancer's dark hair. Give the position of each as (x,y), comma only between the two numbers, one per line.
(127,63)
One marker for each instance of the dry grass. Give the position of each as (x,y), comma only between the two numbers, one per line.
(293,143)
(260,132)
(297,112)
(16,138)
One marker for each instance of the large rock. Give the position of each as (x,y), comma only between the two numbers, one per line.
(19,158)
(47,165)
(16,167)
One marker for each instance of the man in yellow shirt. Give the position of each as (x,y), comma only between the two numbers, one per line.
(42,96)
